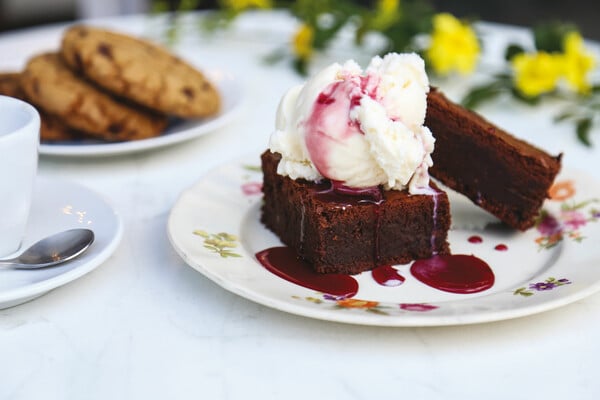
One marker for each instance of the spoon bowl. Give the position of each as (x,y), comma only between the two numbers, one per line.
(53,250)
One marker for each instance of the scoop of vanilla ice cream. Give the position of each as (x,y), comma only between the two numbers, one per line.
(360,129)
(403,87)
(295,162)
(295,106)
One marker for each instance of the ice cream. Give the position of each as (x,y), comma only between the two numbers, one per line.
(362,129)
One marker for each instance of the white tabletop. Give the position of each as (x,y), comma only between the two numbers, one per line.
(144,325)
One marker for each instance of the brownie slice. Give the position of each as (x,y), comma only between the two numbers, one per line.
(340,233)
(500,173)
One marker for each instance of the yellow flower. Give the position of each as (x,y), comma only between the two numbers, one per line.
(536,73)
(387,13)
(454,45)
(388,6)
(241,5)
(577,62)
(303,42)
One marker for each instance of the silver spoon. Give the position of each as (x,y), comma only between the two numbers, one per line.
(52,250)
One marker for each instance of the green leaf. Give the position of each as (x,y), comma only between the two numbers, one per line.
(549,36)
(563,116)
(300,65)
(415,18)
(275,56)
(160,6)
(525,99)
(582,129)
(512,50)
(483,93)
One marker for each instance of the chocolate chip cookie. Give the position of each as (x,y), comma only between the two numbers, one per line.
(49,84)
(52,128)
(139,71)
(9,85)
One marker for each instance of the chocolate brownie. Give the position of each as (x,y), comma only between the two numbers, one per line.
(340,233)
(500,173)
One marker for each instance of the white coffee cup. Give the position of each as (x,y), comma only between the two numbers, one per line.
(19,141)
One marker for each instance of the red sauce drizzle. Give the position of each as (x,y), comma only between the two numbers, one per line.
(454,273)
(475,239)
(283,262)
(325,98)
(386,275)
(501,247)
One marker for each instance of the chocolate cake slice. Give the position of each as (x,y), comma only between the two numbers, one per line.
(500,173)
(341,233)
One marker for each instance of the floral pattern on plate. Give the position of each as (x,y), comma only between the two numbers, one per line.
(365,305)
(221,243)
(548,284)
(570,219)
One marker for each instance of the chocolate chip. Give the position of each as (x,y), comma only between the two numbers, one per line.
(189,92)
(115,128)
(78,61)
(106,50)
(36,86)
(82,32)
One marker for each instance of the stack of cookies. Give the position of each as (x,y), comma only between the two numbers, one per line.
(109,86)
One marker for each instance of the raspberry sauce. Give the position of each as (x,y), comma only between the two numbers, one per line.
(475,239)
(458,273)
(386,275)
(283,262)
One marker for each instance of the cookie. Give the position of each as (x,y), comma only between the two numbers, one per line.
(49,84)
(9,85)
(139,71)
(52,128)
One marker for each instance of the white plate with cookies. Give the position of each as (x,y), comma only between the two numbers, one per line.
(177,131)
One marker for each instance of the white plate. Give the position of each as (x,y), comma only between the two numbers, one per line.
(528,278)
(231,93)
(57,206)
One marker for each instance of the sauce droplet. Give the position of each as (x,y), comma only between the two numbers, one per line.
(501,247)
(283,262)
(386,275)
(454,273)
(475,239)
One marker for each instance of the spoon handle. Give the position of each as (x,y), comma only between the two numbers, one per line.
(8,263)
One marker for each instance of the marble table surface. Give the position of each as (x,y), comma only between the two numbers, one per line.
(144,325)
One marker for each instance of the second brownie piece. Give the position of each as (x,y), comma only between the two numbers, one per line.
(500,173)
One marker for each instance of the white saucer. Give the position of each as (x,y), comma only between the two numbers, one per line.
(57,206)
